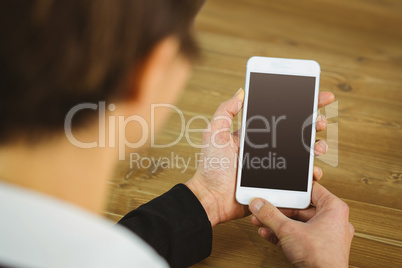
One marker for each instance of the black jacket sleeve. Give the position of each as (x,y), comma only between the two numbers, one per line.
(175,224)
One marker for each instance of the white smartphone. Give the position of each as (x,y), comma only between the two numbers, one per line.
(276,156)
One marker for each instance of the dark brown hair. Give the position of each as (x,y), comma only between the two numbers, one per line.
(56,54)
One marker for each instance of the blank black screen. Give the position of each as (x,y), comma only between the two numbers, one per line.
(284,163)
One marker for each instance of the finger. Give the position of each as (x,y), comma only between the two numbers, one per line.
(325,98)
(299,214)
(321,123)
(268,215)
(256,221)
(321,197)
(317,173)
(268,235)
(305,215)
(227,110)
(320,147)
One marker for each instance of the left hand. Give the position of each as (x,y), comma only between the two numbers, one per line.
(214,182)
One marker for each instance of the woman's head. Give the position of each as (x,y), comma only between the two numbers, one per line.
(57,54)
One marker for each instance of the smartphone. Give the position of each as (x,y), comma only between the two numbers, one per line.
(276,156)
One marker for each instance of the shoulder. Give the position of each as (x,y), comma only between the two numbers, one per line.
(41,231)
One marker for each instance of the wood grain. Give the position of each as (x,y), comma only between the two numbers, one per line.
(358,44)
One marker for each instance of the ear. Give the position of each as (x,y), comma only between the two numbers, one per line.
(159,80)
(146,80)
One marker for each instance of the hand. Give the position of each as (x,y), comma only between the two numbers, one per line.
(214,182)
(319,236)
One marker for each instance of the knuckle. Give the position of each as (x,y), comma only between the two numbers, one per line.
(327,201)
(344,207)
(352,229)
(222,106)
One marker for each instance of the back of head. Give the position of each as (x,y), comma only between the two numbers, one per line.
(56,54)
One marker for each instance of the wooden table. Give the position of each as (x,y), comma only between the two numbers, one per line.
(359,46)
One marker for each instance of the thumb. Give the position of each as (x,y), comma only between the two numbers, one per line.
(269,215)
(228,110)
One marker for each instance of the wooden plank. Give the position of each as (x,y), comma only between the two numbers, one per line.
(237,244)
(358,44)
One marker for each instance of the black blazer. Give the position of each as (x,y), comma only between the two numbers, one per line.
(175,224)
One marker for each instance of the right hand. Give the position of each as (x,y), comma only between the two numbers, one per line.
(319,236)
(215,185)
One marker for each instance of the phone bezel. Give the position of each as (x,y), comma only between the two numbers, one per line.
(281,66)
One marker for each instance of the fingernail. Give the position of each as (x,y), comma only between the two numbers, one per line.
(238,92)
(324,146)
(323,118)
(256,205)
(318,171)
(260,230)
